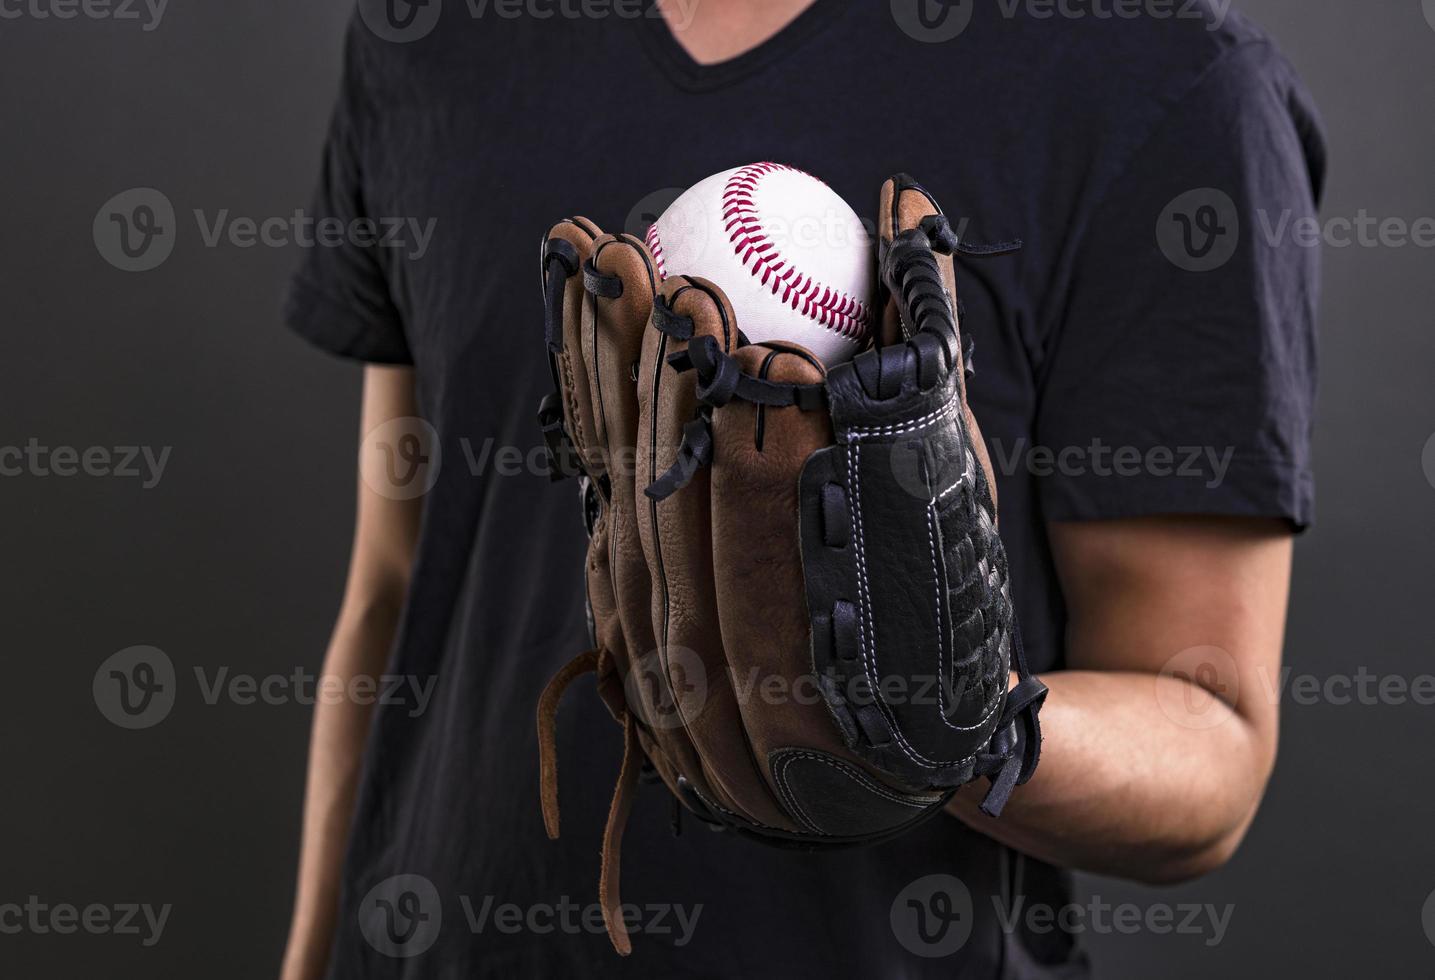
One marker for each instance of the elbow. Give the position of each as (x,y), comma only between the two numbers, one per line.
(1198,854)
(1177,867)
(1210,836)
(1215,833)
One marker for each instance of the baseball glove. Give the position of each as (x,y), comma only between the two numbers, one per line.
(799,605)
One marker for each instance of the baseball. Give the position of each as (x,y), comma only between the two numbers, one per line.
(793,258)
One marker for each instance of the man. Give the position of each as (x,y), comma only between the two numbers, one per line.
(1145,375)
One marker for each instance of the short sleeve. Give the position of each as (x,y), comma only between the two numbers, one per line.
(1179,376)
(340,299)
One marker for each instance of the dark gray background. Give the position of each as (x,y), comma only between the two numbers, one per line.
(235,558)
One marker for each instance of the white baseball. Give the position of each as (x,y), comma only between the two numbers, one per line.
(793,258)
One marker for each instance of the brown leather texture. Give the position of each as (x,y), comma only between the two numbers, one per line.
(677,538)
(759,452)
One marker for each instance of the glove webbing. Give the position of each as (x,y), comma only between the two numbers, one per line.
(945,240)
(909,270)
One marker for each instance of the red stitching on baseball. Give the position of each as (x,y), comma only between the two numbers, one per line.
(831,308)
(655,245)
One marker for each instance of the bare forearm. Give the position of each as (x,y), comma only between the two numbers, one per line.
(1123,788)
(385,532)
(360,643)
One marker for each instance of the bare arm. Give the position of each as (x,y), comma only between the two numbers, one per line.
(384,536)
(1161,735)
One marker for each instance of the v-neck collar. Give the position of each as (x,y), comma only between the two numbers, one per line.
(691,75)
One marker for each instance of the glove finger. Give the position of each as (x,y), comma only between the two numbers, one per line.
(677,540)
(613,344)
(759,453)
(620,281)
(568,245)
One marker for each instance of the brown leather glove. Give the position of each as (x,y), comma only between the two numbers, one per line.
(800,610)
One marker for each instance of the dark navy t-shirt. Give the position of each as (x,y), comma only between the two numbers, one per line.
(1150,351)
